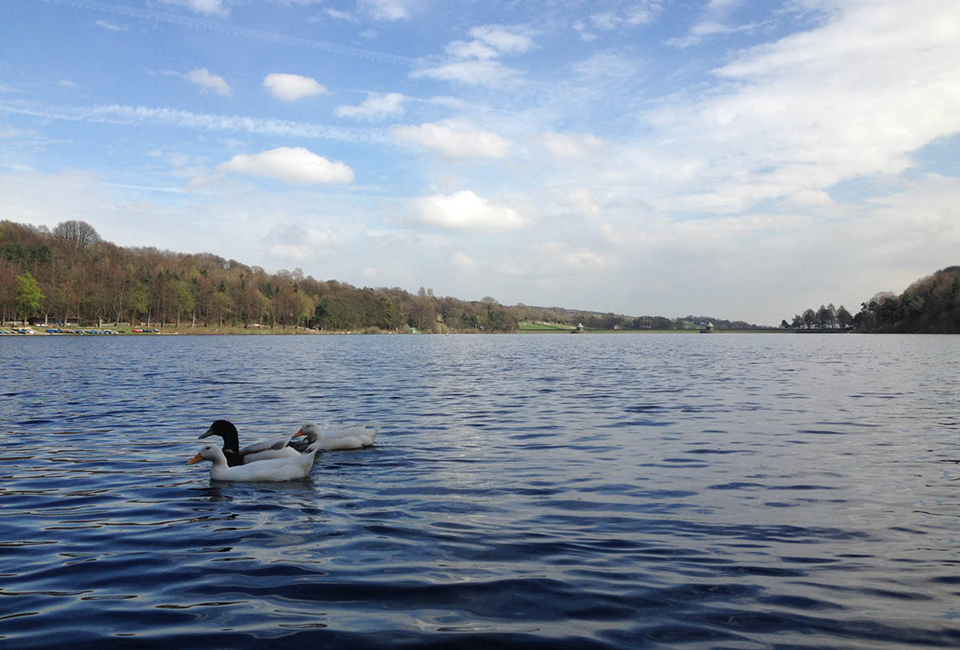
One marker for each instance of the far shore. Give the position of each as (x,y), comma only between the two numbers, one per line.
(174,330)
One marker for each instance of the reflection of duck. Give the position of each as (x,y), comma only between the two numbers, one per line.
(271,469)
(352,436)
(276,448)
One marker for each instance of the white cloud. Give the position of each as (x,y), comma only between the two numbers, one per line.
(374,107)
(566,145)
(205,7)
(715,20)
(207,81)
(570,257)
(387,10)
(506,39)
(291,87)
(473,72)
(815,198)
(473,63)
(340,15)
(454,140)
(463,262)
(294,165)
(307,246)
(640,13)
(583,201)
(705,29)
(555,260)
(470,50)
(298,252)
(467,211)
(852,97)
(585,35)
(107,25)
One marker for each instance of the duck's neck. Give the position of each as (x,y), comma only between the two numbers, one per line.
(232,457)
(230,441)
(231,449)
(220,461)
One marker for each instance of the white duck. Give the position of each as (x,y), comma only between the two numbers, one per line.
(351,436)
(271,469)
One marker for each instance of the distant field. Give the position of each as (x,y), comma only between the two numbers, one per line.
(544,327)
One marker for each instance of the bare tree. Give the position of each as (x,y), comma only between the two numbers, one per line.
(78,235)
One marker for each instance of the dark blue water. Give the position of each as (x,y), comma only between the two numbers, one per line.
(634,491)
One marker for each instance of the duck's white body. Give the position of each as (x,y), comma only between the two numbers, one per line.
(351,436)
(289,468)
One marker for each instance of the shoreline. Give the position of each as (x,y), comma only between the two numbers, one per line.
(240,331)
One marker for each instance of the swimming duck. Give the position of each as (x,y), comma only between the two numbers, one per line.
(276,448)
(352,436)
(270,469)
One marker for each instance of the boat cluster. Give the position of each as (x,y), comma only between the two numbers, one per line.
(281,459)
(57,330)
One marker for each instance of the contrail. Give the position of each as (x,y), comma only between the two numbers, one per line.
(243,32)
(138,115)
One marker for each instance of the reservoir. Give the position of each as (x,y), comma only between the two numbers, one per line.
(525,491)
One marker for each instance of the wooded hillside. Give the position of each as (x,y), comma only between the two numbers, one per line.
(70,274)
(931,305)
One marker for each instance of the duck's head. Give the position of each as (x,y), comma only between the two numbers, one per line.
(208,452)
(311,430)
(222,428)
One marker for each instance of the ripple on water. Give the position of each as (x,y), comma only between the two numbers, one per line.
(534,492)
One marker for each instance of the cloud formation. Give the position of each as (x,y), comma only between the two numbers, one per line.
(293,165)
(307,246)
(467,211)
(474,63)
(207,81)
(291,87)
(568,145)
(387,10)
(455,140)
(375,107)
(204,7)
(110,27)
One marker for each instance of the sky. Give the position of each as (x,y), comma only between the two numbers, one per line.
(743,160)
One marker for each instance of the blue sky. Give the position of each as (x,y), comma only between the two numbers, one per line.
(664,157)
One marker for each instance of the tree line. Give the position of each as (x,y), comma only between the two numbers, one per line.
(825,318)
(931,305)
(71,275)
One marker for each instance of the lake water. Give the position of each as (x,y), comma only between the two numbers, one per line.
(595,491)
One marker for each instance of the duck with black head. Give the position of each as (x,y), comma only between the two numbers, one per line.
(275,448)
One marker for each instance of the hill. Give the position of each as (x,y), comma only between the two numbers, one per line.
(931,305)
(70,275)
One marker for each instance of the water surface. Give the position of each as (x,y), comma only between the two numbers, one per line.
(535,491)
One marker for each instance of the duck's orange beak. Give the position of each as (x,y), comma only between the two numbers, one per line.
(298,433)
(195,459)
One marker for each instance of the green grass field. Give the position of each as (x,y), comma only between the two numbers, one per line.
(544,327)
